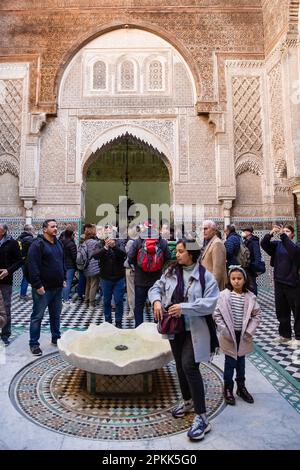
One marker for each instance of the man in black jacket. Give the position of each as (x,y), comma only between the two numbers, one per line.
(10,261)
(111,255)
(47,274)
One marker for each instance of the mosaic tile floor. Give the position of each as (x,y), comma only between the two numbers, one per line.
(77,315)
(287,357)
(52,394)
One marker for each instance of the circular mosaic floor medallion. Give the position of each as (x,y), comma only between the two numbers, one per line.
(52,394)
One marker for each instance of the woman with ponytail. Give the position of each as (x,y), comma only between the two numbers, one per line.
(187,290)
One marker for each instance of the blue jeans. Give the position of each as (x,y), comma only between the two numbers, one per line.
(53,300)
(81,284)
(67,289)
(116,289)
(24,285)
(141,294)
(231,364)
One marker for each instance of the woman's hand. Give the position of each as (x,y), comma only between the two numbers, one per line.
(175,310)
(157,310)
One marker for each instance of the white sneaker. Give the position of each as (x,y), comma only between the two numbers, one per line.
(282,340)
(184,407)
(295,343)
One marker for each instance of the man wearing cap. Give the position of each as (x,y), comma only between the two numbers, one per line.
(257,265)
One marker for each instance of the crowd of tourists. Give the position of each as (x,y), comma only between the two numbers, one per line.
(210,287)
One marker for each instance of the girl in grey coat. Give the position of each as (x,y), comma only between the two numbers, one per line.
(179,291)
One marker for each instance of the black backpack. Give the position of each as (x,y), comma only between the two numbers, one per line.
(26,264)
(24,245)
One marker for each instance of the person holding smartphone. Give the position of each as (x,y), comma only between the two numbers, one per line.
(285,258)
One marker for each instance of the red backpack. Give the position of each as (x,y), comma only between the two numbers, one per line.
(150,257)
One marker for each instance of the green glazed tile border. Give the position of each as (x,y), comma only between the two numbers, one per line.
(281,380)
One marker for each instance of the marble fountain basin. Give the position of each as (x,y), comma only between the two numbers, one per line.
(107,350)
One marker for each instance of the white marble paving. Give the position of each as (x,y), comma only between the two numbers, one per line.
(270,423)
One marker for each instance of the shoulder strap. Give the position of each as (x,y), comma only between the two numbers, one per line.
(202,271)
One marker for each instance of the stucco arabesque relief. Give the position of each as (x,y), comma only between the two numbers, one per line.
(201,33)
(163,129)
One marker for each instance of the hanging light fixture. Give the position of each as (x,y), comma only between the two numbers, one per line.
(125,180)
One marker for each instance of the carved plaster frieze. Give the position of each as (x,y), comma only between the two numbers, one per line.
(282,189)
(91,129)
(206,107)
(280,49)
(98,113)
(245,64)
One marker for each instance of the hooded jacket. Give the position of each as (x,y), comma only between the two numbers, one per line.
(285,258)
(10,258)
(46,265)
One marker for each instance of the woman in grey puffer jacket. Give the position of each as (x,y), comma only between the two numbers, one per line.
(92,271)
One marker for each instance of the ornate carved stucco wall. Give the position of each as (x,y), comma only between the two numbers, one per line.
(13,107)
(235,55)
(282,69)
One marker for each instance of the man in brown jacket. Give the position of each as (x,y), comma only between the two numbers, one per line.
(213,253)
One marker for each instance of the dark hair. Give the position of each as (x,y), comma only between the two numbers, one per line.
(47,221)
(87,226)
(219,233)
(90,231)
(289,227)
(230,228)
(191,247)
(62,236)
(4,226)
(69,234)
(229,285)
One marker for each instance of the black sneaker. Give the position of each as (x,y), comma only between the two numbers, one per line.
(54,341)
(36,350)
(119,324)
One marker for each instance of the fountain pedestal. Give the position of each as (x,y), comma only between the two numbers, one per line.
(135,384)
(117,362)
